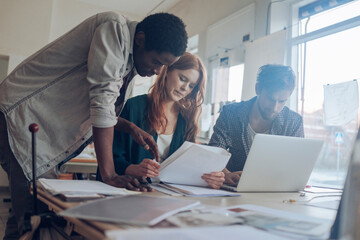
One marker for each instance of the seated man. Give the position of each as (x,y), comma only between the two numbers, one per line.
(266,113)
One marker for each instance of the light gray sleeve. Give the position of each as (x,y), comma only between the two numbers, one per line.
(107,61)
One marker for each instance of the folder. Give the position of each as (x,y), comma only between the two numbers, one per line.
(132,209)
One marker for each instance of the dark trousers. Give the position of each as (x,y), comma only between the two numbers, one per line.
(21,199)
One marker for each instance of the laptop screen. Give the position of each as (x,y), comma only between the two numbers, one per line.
(348,215)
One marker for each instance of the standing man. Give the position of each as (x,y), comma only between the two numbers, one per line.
(74,89)
(266,113)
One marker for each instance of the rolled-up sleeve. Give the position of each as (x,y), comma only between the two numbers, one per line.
(106,62)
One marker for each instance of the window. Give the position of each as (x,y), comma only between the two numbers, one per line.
(236,75)
(328,52)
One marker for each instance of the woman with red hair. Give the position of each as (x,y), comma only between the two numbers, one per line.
(170,112)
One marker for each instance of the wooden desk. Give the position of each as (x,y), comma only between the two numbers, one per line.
(96,229)
(87,228)
(80,165)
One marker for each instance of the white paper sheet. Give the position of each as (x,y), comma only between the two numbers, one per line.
(208,233)
(56,186)
(341,103)
(193,191)
(187,164)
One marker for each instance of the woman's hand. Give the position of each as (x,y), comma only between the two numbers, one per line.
(214,179)
(147,168)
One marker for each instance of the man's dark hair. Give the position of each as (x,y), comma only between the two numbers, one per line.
(164,32)
(272,77)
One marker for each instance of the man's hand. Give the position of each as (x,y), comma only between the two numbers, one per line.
(140,136)
(147,168)
(214,179)
(145,140)
(232,178)
(128,182)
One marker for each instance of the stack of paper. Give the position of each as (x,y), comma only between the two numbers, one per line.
(134,209)
(80,189)
(187,164)
(192,191)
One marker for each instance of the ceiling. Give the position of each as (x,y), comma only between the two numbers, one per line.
(139,8)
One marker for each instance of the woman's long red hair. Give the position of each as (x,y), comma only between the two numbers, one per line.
(190,106)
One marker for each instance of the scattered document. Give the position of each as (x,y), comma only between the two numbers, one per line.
(209,233)
(133,209)
(202,219)
(80,187)
(187,164)
(193,191)
(281,222)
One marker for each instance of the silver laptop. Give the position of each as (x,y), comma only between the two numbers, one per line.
(278,164)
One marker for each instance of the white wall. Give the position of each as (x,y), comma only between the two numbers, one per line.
(4,63)
(24,25)
(66,14)
(198,15)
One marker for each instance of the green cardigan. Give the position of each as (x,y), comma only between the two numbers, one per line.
(125,150)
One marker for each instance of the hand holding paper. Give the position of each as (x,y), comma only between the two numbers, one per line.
(214,179)
(147,168)
(191,161)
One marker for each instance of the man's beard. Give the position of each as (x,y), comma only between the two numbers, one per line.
(263,115)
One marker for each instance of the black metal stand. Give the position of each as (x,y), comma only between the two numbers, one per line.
(48,219)
(33,128)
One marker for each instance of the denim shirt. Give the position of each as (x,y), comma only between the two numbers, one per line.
(67,87)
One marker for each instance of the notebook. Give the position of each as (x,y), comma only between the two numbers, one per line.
(278,164)
(133,209)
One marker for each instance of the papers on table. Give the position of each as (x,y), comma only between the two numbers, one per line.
(187,164)
(133,209)
(202,219)
(193,191)
(74,189)
(208,233)
(280,222)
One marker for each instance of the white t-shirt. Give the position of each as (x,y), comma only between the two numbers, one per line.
(252,133)
(163,143)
